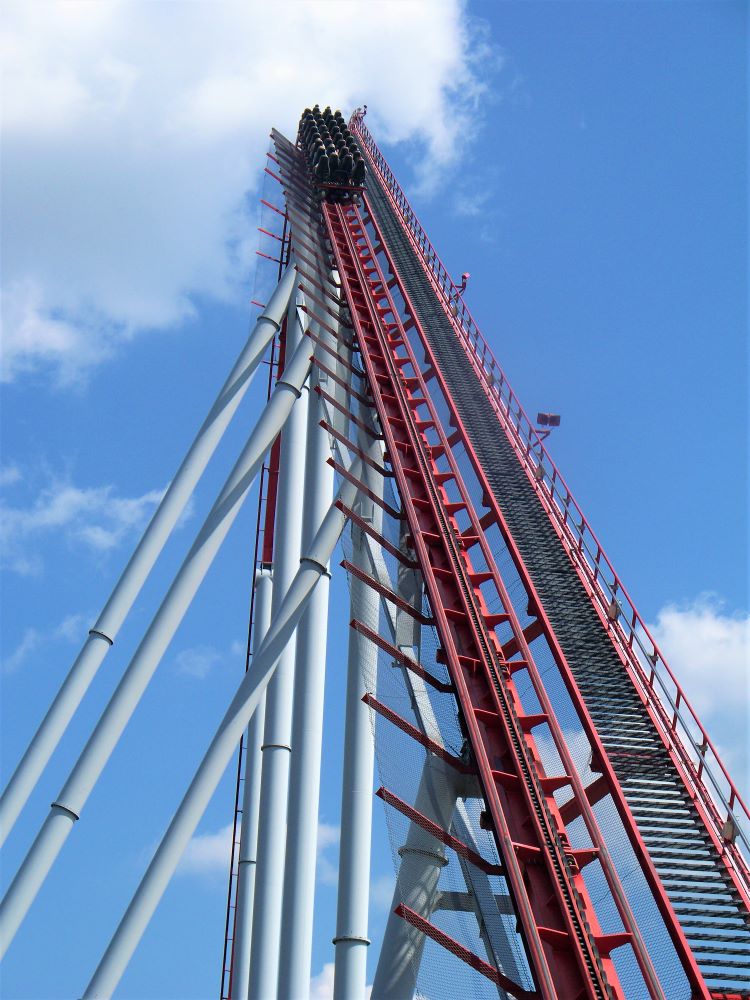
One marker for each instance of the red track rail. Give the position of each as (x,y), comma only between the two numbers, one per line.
(725,814)
(607,783)
(568,953)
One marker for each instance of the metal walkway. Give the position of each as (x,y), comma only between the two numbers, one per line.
(693,875)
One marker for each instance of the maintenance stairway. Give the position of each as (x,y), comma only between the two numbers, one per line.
(693,874)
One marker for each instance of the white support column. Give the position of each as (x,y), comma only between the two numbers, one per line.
(422,856)
(67,808)
(250,806)
(276,748)
(422,860)
(104,632)
(307,732)
(352,941)
(223,745)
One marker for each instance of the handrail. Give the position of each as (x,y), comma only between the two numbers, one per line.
(682,731)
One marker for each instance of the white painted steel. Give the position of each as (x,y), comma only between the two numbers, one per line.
(307,732)
(352,941)
(422,860)
(104,632)
(277,736)
(67,808)
(250,805)
(222,747)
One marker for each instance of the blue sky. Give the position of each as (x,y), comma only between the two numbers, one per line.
(585,162)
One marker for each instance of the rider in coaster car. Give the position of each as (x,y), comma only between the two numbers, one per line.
(358,176)
(322,168)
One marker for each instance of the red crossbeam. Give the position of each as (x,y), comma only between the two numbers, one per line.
(438,832)
(457,949)
(417,735)
(544,892)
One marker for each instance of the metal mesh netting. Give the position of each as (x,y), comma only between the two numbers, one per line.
(470,906)
(465,902)
(640,897)
(472,915)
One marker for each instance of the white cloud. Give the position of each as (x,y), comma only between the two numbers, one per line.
(9,474)
(321,986)
(198,661)
(708,650)
(381,891)
(73,627)
(29,644)
(471,204)
(95,517)
(328,837)
(70,629)
(208,854)
(127,161)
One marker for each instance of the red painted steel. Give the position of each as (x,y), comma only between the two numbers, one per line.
(552,900)
(520,644)
(703,772)
(416,734)
(438,832)
(399,656)
(568,954)
(443,939)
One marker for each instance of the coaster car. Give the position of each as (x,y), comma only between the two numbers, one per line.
(334,159)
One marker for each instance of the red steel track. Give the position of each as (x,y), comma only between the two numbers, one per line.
(567,952)
(722,809)
(483,642)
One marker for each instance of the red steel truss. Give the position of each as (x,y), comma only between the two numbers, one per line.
(569,955)
(556,919)
(722,808)
(488,647)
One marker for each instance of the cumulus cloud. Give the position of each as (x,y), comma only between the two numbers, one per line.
(708,649)
(70,629)
(93,517)
(198,661)
(208,853)
(328,837)
(321,986)
(128,159)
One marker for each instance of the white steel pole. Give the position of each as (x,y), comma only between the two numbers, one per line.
(250,804)
(276,748)
(422,860)
(352,941)
(103,633)
(67,808)
(175,840)
(307,733)
(422,857)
